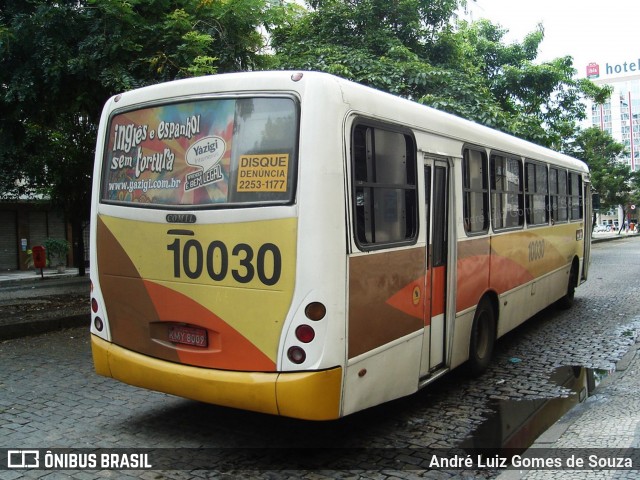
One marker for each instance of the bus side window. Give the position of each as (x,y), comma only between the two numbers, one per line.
(558,195)
(476,192)
(575,196)
(384,183)
(537,188)
(507,200)
(563,202)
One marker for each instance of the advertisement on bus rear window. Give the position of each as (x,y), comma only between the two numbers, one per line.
(202,153)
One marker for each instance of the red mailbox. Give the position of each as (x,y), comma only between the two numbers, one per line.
(39,256)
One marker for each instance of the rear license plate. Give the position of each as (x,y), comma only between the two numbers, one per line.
(196,337)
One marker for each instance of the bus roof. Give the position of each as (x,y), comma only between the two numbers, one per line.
(358,97)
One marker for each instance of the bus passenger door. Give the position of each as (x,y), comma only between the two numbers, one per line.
(436,174)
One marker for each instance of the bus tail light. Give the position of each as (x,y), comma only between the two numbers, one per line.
(315,311)
(305,333)
(304,343)
(98,323)
(97,312)
(297,355)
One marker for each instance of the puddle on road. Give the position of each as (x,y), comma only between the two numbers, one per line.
(516,424)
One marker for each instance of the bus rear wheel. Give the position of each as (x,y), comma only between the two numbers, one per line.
(566,302)
(483,337)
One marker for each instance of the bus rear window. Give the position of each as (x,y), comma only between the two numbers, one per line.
(205,153)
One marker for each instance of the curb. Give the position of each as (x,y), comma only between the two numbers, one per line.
(548,439)
(46,281)
(616,237)
(37,327)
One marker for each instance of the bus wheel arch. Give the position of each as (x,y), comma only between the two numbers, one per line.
(566,301)
(483,335)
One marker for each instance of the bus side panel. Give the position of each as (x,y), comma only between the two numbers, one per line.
(473,271)
(385,327)
(519,257)
(530,270)
(472,281)
(386,373)
(385,298)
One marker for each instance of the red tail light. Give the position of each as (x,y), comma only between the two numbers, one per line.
(297,355)
(305,333)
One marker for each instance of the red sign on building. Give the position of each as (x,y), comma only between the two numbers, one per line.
(593,70)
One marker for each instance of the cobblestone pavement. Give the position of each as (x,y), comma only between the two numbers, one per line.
(603,428)
(51,398)
(31,305)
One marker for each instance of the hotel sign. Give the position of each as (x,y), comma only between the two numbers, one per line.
(593,69)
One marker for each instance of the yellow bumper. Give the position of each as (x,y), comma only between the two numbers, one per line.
(304,395)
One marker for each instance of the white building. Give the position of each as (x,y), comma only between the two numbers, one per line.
(620,116)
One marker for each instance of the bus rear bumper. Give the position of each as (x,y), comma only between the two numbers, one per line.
(305,395)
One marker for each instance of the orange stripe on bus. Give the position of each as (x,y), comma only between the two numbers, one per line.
(473,280)
(507,274)
(228,348)
(438,291)
(409,299)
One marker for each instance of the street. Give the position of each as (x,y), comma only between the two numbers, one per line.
(50,397)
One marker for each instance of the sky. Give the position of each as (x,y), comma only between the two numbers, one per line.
(605,32)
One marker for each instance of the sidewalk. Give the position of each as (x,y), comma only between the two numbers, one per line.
(606,236)
(38,290)
(606,424)
(17,276)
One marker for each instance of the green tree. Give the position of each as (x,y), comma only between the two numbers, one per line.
(540,102)
(374,42)
(611,179)
(410,48)
(61,60)
(43,97)
(634,201)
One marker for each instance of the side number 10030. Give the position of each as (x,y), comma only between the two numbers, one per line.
(192,259)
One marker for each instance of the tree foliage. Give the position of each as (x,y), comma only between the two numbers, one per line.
(410,48)
(374,42)
(540,102)
(61,60)
(610,178)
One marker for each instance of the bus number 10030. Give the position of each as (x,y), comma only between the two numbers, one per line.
(192,259)
(536,250)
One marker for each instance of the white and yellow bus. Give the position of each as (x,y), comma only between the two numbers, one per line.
(300,245)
